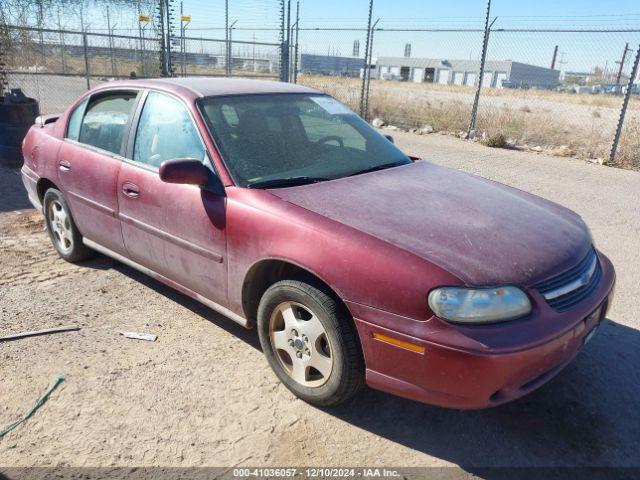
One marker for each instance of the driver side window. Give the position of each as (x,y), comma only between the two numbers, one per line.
(165,131)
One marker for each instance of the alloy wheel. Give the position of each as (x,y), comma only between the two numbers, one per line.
(301,344)
(60,226)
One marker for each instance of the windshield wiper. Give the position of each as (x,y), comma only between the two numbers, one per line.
(286,182)
(384,166)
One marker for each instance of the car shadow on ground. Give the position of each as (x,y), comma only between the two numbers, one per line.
(14,196)
(586,416)
(248,336)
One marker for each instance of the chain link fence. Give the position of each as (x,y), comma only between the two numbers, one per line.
(332,61)
(577,113)
(554,90)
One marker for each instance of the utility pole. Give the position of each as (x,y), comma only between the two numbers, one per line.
(485,44)
(366,70)
(621,62)
(553,59)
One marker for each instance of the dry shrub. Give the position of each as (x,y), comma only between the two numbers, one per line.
(449,116)
(406,104)
(496,141)
(628,155)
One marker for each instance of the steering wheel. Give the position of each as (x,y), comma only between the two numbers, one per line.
(331,138)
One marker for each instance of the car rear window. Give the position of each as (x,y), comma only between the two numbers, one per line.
(105,121)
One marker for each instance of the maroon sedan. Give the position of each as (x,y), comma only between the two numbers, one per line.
(277,206)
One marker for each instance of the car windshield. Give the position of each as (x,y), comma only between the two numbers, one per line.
(270,141)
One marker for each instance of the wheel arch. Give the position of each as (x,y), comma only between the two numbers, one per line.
(264,273)
(42,186)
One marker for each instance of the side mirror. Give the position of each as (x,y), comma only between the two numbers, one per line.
(390,138)
(184,170)
(189,171)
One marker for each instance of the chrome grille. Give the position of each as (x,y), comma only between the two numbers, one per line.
(566,290)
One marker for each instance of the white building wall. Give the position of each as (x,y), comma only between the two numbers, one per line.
(443,76)
(500,77)
(487,79)
(470,79)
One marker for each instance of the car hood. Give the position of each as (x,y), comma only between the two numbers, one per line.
(483,232)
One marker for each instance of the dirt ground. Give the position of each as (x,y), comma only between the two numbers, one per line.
(202,394)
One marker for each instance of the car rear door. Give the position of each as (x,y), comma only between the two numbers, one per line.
(175,230)
(89,161)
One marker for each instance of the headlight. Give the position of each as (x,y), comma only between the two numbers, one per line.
(479,305)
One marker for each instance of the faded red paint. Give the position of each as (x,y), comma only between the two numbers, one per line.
(382,241)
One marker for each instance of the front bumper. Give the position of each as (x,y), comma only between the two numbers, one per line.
(472,374)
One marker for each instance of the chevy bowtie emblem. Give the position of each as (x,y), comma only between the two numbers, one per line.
(575,284)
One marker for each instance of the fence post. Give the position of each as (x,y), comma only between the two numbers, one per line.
(485,43)
(366,97)
(286,46)
(365,68)
(625,104)
(4,48)
(110,38)
(295,50)
(85,49)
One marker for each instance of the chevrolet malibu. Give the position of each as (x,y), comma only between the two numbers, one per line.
(276,206)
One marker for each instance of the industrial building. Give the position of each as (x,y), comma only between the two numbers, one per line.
(330,65)
(497,74)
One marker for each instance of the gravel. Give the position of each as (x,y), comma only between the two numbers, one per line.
(202,393)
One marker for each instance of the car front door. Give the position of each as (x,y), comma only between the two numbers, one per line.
(177,231)
(89,161)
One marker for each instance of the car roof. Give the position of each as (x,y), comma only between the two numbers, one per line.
(212,86)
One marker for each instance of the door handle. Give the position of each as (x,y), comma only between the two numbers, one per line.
(64,165)
(130,190)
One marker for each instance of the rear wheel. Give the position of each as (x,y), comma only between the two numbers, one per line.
(310,343)
(64,234)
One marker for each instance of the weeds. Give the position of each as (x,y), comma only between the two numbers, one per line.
(561,124)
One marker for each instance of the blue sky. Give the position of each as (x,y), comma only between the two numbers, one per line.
(412,9)
(580,51)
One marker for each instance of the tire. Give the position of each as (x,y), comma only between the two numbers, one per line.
(63,233)
(338,345)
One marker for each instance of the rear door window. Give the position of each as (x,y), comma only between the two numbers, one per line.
(106,120)
(75,120)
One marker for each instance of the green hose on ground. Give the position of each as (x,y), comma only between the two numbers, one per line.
(37,405)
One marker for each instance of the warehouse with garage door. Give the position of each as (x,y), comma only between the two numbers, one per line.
(497,74)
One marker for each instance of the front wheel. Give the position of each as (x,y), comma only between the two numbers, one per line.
(310,342)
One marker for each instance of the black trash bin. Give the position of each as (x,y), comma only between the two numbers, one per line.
(17,114)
